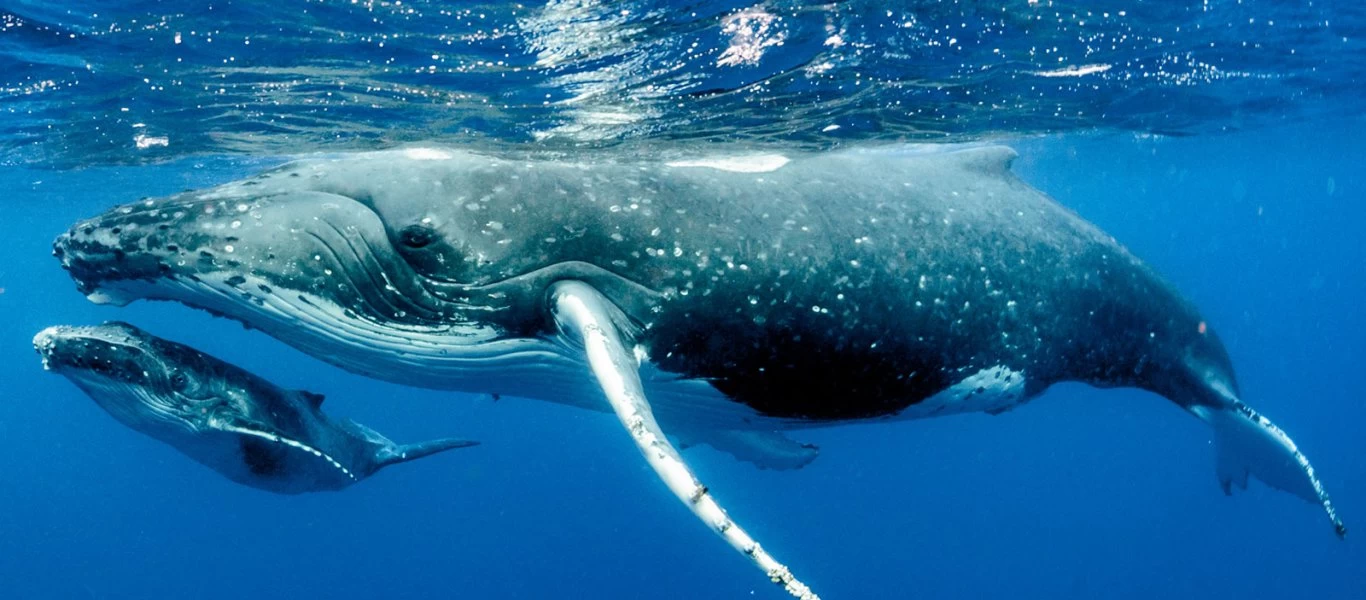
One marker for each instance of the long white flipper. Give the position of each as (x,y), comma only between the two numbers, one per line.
(581,310)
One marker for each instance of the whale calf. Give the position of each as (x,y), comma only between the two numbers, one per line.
(231,421)
(720,300)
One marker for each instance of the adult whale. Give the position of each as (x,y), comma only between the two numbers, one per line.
(227,419)
(744,293)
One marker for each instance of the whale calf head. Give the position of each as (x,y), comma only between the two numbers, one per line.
(144,383)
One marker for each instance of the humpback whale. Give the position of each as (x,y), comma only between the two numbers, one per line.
(717,300)
(227,419)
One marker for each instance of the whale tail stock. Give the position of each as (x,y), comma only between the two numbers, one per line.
(406,452)
(1248,443)
(388,453)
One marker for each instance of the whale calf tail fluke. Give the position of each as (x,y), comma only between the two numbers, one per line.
(1247,443)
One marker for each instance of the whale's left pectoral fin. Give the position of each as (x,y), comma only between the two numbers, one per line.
(584,314)
(1247,443)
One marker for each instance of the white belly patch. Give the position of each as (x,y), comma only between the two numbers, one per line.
(695,403)
(991,390)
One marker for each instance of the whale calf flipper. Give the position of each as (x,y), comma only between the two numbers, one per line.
(585,314)
(1247,443)
(763,449)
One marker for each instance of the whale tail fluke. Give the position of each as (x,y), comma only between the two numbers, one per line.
(1246,443)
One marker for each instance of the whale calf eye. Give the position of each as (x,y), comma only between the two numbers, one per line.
(178,381)
(416,236)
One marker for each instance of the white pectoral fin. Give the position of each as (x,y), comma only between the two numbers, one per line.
(1246,443)
(763,449)
(583,312)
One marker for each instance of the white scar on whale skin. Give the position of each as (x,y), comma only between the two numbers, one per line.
(288,442)
(760,163)
(583,311)
(427,154)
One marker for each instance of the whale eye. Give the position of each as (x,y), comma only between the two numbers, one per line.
(179,381)
(416,236)
(430,252)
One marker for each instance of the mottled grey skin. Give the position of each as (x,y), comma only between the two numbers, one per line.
(840,286)
(859,283)
(249,430)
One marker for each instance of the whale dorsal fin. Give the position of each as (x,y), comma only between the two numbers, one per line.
(992,160)
(313,399)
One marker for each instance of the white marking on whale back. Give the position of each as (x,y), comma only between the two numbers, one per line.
(427,154)
(758,163)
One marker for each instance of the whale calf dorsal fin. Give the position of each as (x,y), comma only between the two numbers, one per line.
(313,399)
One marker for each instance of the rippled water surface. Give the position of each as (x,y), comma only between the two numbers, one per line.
(98,82)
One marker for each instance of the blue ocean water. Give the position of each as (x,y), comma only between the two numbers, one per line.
(1255,211)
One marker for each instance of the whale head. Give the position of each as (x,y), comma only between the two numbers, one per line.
(146,383)
(337,257)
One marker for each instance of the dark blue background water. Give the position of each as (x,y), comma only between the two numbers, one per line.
(1081,494)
